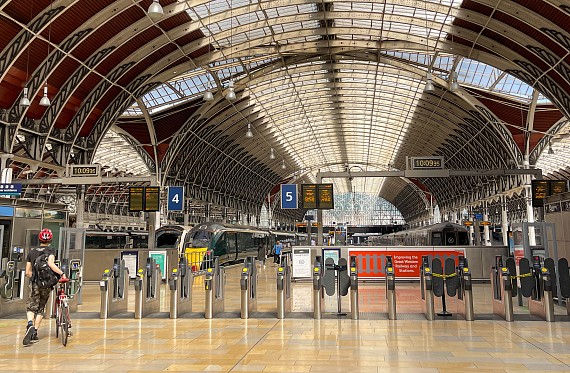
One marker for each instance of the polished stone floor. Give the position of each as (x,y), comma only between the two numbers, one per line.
(297,344)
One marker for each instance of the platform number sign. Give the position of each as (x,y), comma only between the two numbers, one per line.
(289,198)
(175,198)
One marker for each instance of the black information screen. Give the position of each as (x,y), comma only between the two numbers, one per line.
(309,193)
(152,199)
(136,197)
(325,193)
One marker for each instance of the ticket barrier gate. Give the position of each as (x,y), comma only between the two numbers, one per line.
(147,289)
(541,301)
(354,312)
(214,283)
(564,279)
(72,269)
(283,291)
(180,285)
(503,289)
(465,290)
(390,288)
(318,296)
(14,284)
(426,289)
(114,293)
(248,286)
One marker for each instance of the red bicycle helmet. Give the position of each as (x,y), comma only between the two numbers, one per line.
(45,235)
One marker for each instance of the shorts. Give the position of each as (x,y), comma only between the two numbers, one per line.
(38,299)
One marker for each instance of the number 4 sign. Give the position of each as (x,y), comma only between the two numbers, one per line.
(175,198)
(289,196)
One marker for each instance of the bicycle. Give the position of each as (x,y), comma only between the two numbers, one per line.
(62,319)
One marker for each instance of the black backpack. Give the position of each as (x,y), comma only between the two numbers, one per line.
(44,276)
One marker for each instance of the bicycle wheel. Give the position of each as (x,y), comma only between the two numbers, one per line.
(64,325)
(57,321)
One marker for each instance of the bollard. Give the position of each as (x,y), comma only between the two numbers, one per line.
(506,294)
(173,286)
(245,292)
(281,296)
(467,288)
(209,287)
(104,286)
(139,294)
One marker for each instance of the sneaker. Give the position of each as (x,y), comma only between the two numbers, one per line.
(28,337)
(35,338)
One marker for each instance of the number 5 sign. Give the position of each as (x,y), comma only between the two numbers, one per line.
(175,198)
(289,198)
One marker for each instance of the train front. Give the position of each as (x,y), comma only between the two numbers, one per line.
(197,243)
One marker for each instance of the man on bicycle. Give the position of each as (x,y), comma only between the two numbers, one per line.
(38,296)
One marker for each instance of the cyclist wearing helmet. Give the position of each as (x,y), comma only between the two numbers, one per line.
(38,296)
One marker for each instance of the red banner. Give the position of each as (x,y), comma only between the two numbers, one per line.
(406,261)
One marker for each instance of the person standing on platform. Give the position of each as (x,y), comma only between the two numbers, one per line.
(277,252)
(39,294)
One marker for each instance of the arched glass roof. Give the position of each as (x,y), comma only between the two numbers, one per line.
(554,159)
(117,156)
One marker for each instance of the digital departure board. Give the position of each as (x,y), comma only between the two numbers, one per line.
(309,194)
(539,192)
(557,186)
(152,199)
(325,196)
(136,199)
(427,163)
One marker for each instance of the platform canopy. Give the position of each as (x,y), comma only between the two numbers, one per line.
(322,85)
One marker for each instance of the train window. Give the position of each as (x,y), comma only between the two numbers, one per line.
(201,238)
(463,238)
(436,239)
(231,239)
(167,239)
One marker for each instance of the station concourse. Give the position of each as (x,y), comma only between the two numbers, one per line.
(311,186)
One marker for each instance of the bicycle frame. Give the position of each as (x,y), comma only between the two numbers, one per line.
(61,307)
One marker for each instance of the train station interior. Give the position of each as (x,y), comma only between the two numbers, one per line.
(296,185)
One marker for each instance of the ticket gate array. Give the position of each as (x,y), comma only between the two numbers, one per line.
(436,281)
(72,269)
(214,284)
(114,290)
(248,286)
(538,284)
(147,289)
(180,285)
(13,283)
(335,280)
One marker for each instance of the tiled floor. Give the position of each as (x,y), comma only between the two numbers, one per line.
(293,345)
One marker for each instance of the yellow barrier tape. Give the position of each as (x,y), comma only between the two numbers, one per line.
(443,276)
(521,276)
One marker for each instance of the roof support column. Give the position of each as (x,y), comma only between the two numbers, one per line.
(486,232)
(505,220)
(471,227)
(319,217)
(526,165)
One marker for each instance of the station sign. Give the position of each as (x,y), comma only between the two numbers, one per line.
(539,192)
(10,189)
(175,198)
(289,196)
(485,223)
(468,223)
(325,196)
(427,163)
(136,199)
(309,196)
(478,216)
(81,170)
(152,199)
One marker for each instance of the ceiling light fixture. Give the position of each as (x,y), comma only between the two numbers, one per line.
(208,96)
(45,100)
(453,85)
(429,83)
(25,101)
(231,95)
(249,133)
(283,165)
(271,154)
(155,9)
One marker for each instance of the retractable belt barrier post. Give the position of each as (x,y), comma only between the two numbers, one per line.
(214,283)
(427,302)
(391,288)
(180,285)
(114,293)
(283,291)
(353,289)
(318,297)
(147,290)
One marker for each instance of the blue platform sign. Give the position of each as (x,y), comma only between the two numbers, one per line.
(478,216)
(289,198)
(175,198)
(10,189)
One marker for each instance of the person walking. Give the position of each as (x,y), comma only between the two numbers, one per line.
(39,293)
(277,252)
(261,254)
